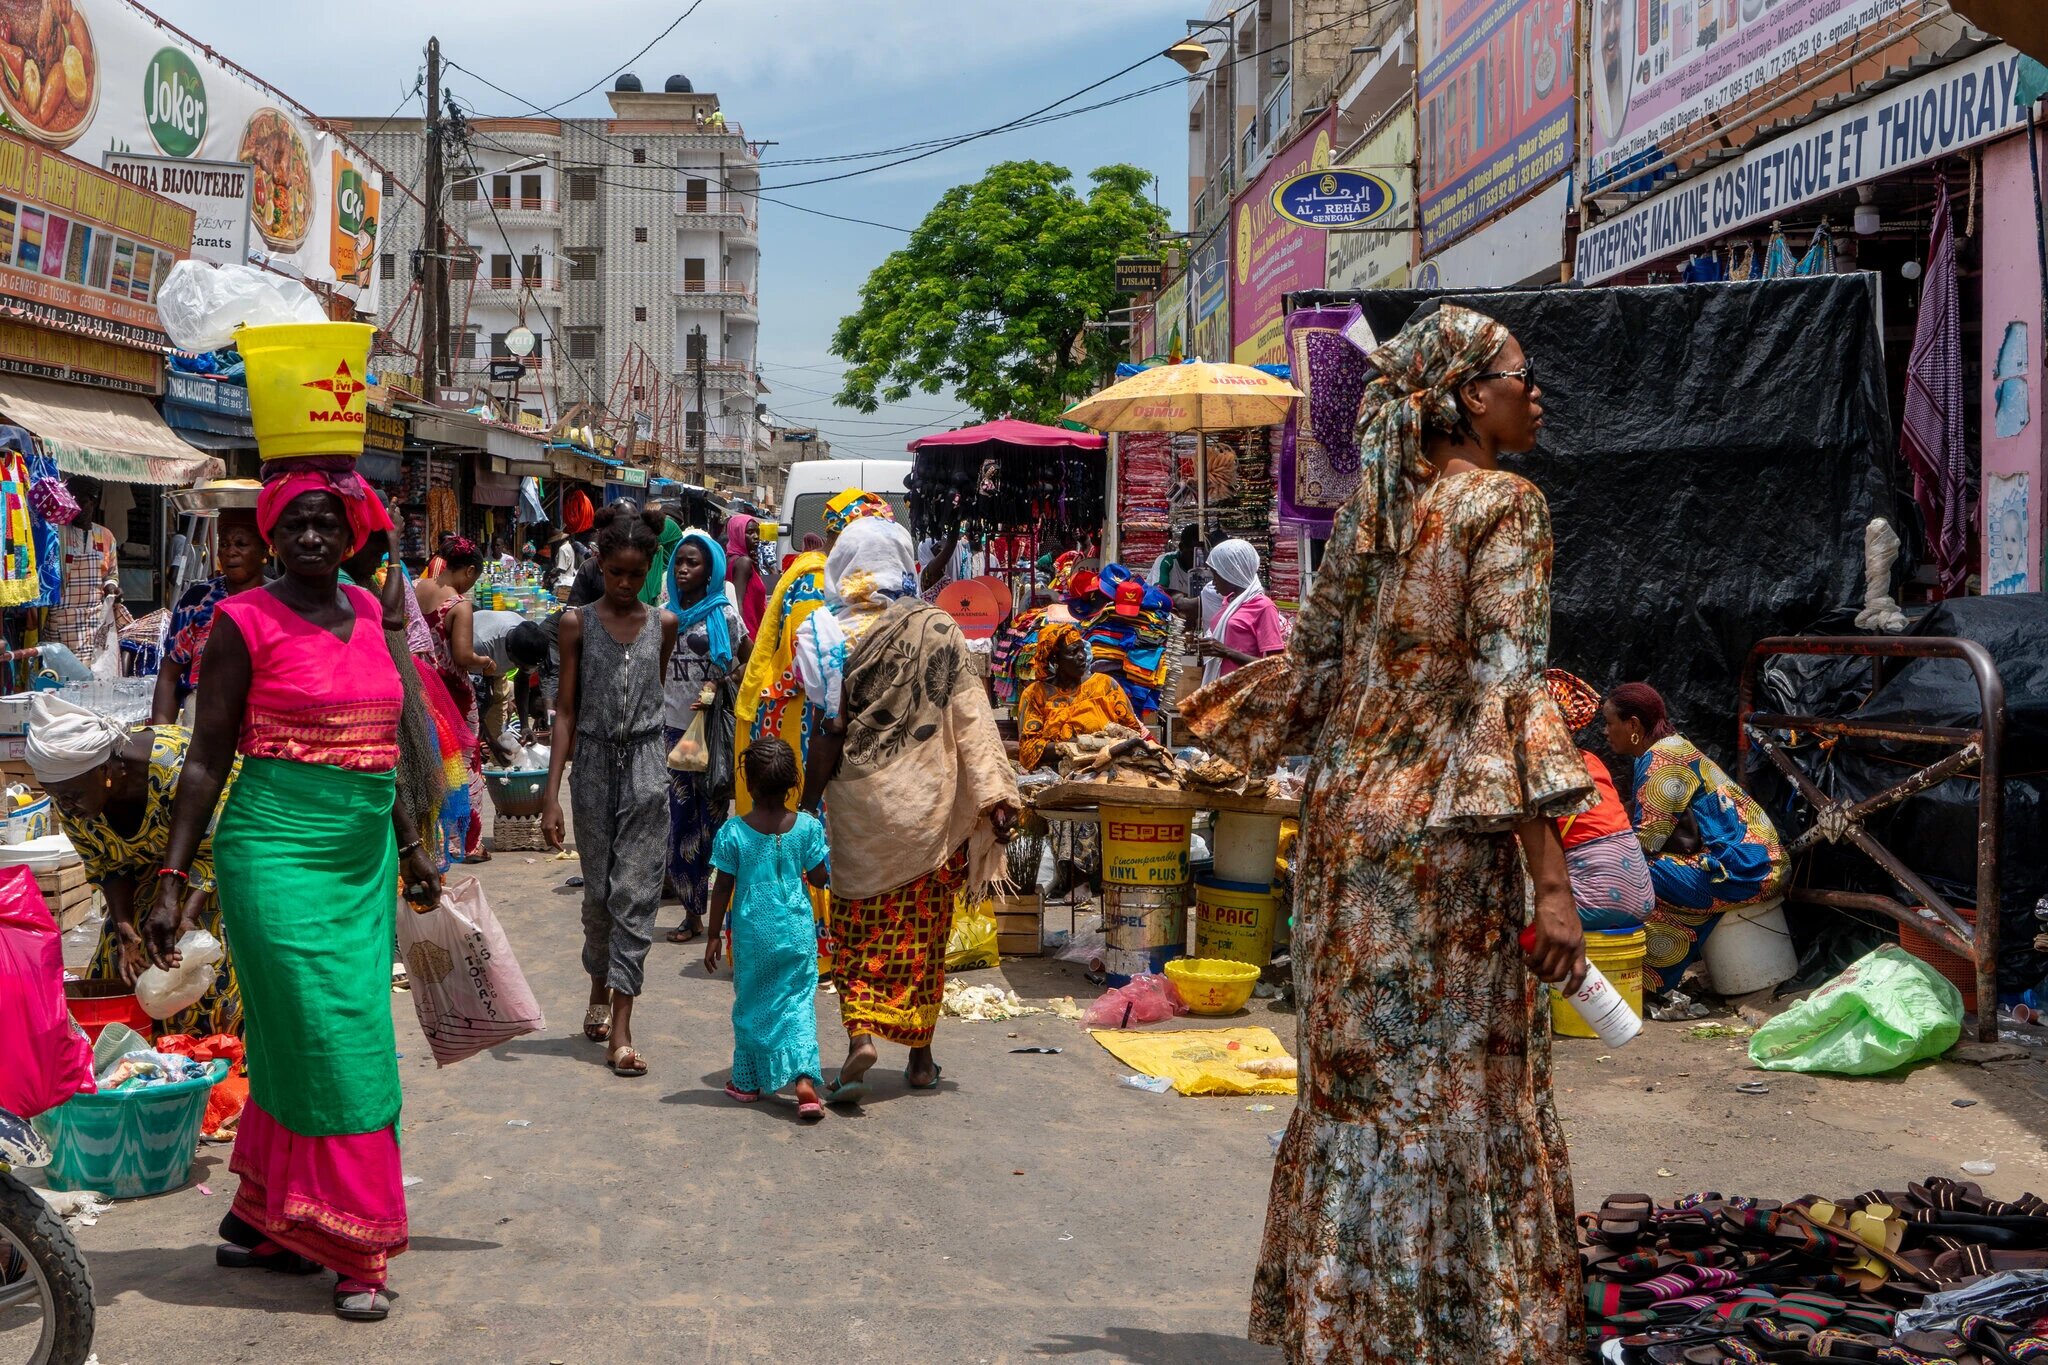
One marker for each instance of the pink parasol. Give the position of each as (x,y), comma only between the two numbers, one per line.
(1010,432)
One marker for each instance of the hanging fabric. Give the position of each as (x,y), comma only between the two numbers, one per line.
(1318,465)
(1820,256)
(1931,435)
(19,580)
(42,473)
(1777,257)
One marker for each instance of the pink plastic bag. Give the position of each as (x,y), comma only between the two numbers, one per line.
(1145,1000)
(466,985)
(48,1057)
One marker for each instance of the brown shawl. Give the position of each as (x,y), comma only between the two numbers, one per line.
(923,764)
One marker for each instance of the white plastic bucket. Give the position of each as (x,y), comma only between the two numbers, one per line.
(1245,847)
(1750,949)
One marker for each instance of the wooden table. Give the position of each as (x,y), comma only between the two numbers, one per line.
(1072,800)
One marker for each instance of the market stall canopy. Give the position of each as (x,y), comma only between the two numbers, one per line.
(104,434)
(1010,432)
(1200,396)
(2023,23)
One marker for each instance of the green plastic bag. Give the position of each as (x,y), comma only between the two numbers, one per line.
(1886,1010)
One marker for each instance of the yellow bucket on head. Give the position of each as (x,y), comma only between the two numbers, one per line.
(1144,845)
(308,386)
(1235,920)
(1619,954)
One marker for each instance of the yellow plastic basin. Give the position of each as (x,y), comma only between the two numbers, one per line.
(1212,985)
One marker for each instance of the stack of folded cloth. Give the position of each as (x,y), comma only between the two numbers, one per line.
(1132,634)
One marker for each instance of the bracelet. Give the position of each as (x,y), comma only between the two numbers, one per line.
(164,872)
(410,847)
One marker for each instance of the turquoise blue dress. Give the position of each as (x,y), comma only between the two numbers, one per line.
(774,951)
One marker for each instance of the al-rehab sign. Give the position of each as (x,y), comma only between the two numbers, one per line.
(1938,114)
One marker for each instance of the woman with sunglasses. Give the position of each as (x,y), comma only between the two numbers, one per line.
(1421,1207)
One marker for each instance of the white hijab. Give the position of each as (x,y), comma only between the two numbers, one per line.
(871,565)
(1237,562)
(66,740)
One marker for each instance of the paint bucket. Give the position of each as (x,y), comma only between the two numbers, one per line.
(1619,954)
(1144,846)
(1246,846)
(1143,928)
(308,386)
(1750,949)
(1234,920)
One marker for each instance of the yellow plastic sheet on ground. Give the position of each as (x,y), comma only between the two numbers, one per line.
(1199,1061)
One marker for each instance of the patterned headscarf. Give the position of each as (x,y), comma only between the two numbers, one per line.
(1577,698)
(1420,372)
(851,505)
(870,566)
(1051,636)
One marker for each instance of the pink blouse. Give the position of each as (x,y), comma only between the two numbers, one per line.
(1253,629)
(314,698)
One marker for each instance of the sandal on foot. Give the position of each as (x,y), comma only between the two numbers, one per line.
(685,933)
(938,1074)
(355,1301)
(266,1256)
(627,1061)
(809,1111)
(849,1092)
(739,1096)
(597,1023)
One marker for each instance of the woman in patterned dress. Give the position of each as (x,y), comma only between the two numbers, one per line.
(1421,1207)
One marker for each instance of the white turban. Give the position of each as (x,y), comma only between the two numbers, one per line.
(66,740)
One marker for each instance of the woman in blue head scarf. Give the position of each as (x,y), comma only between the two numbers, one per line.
(711,650)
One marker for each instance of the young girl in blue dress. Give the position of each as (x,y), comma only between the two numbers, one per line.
(762,860)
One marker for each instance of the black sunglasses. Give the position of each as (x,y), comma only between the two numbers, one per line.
(1527,374)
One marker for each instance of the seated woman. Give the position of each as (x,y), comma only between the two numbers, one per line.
(113,789)
(1609,875)
(1065,702)
(1710,845)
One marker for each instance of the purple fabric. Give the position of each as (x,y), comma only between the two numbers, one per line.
(1318,466)
(1931,436)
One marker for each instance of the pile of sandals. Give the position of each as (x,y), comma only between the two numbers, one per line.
(1709,1279)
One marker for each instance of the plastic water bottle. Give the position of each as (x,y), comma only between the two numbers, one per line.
(1598,1003)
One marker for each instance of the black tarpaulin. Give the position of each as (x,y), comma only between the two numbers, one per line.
(1711,455)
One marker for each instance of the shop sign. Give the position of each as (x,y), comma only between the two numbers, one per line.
(507,372)
(138,87)
(1937,115)
(217,192)
(1209,284)
(630,477)
(1139,275)
(1379,259)
(1333,198)
(44,354)
(1274,256)
(1657,68)
(382,431)
(1170,319)
(1495,113)
(82,249)
(196,391)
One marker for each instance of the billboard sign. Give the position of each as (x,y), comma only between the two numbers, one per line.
(1378,258)
(1209,283)
(1170,320)
(1333,198)
(1273,256)
(1496,92)
(217,192)
(1658,66)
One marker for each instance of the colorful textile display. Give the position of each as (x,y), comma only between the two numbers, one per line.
(1132,634)
(42,471)
(1319,445)
(20,582)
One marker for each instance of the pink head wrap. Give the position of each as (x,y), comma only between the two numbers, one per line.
(364,508)
(736,534)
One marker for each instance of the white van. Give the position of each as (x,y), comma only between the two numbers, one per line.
(813,483)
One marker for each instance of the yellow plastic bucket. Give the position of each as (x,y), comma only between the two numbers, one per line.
(308,386)
(1619,954)
(1144,845)
(1234,920)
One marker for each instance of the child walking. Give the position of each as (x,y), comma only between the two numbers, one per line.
(769,854)
(608,715)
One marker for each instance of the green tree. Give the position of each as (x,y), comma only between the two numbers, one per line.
(990,297)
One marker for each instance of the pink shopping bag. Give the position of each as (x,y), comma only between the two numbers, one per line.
(466,984)
(48,1057)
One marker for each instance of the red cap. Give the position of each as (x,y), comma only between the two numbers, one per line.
(1084,582)
(1130,597)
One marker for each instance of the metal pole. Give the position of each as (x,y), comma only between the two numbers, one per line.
(703,418)
(434,281)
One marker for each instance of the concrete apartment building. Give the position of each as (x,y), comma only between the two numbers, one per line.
(630,246)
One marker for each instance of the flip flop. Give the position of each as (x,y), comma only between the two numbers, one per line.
(355,1301)
(938,1074)
(739,1096)
(809,1111)
(636,1067)
(684,934)
(228,1256)
(852,1092)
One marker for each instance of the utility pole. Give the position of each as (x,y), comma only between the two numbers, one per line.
(697,344)
(434,277)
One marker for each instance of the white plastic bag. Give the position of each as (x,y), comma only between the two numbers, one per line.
(466,985)
(201,305)
(106,660)
(163,993)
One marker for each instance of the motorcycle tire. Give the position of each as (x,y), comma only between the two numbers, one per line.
(34,1228)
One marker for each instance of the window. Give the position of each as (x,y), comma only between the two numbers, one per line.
(465,187)
(639,392)
(640,234)
(529,271)
(501,270)
(529,191)
(582,265)
(694,345)
(388,263)
(693,424)
(583,343)
(808,515)
(693,275)
(696,195)
(639,156)
(384,182)
(501,190)
(639,314)
(583,186)
(462,268)
(498,351)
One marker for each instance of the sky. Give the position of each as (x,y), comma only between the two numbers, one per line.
(817,77)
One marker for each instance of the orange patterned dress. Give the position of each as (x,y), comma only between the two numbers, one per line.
(1421,1207)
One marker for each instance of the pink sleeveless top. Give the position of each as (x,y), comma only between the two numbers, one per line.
(313,698)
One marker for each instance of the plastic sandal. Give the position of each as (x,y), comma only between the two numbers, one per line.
(739,1096)
(355,1301)
(810,1111)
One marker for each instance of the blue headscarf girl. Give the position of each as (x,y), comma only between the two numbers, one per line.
(708,610)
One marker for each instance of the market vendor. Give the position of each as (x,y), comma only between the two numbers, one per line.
(242,555)
(113,789)
(1248,626)
(1182,573)
(92,582)
(1609,875)
(1065,702)
(1710,845)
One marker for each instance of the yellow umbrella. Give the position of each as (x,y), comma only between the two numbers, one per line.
(1200,396)
(1194,397)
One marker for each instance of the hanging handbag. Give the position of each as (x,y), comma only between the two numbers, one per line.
(720,729)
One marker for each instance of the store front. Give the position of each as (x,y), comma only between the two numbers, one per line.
(213,415)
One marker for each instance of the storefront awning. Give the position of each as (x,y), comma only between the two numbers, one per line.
(103,434)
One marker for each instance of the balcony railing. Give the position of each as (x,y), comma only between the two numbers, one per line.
(517,284)
(729,207)
(1279,111)
(717,293)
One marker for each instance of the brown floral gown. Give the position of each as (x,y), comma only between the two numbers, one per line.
(1421,1207)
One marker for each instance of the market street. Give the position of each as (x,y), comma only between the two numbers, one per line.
(1032,1208)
